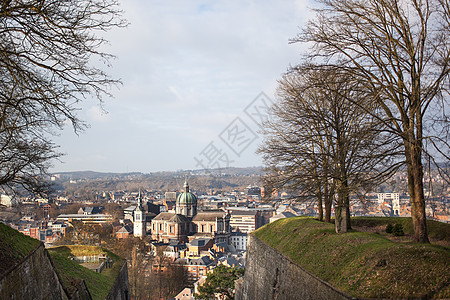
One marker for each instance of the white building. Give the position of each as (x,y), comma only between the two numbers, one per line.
(6,200)
(96,218)
(139,225)
(239,240)
(243,220)
(391,198)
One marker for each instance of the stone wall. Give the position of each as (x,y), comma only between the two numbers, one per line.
(33,278)
(121,289)
(81,291)
(270,275)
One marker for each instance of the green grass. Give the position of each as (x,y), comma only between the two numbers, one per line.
(117,265)
(14,246)
(98,284)
(437,231)
(81,250)
(362,264)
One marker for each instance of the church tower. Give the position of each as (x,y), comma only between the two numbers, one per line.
(139,228)
(186,204)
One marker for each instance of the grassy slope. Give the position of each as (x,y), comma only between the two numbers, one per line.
(98,284)
(359,263)
(13,247)
(437,231)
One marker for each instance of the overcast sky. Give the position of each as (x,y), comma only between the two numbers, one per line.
(193,73)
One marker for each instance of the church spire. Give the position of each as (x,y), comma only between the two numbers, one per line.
(139,199)
(186,185)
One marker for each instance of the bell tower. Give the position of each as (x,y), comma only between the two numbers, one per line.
(139,228)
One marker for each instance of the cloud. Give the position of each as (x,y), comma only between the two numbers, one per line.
(188,69)
(97,114)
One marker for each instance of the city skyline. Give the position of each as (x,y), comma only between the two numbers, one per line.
(190,71)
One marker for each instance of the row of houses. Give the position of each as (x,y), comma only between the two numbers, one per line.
(198,257)
(44,230)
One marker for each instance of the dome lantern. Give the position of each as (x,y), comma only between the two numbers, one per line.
(186,202)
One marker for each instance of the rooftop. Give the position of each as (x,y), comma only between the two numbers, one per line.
(200,242)
(209,215)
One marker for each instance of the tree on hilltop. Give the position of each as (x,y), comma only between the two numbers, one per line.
(401,49)
(322,145)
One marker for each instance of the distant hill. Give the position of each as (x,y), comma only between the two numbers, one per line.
(93,175)
(232,171)
(199,180)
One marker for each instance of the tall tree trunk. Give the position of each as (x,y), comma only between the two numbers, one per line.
(328,202)
(347,211)
(340,210)
(413,152)
(340,222)
(328,205)
(319,203)
(418,214)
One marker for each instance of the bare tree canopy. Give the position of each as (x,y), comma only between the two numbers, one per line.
(49,52)
(402,50)
(320,142)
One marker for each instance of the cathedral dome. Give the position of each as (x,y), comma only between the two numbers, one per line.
(186,198)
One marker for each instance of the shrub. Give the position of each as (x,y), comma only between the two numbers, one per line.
(397,230)
(389,228)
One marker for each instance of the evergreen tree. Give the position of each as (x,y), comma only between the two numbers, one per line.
(221,282)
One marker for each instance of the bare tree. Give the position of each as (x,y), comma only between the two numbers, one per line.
(402,50)
(295,157)
(319,137)
(47,50)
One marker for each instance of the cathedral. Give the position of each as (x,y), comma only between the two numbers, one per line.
(187,223)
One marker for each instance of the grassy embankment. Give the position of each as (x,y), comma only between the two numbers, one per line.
(14,246)
(98,284)
(366,264)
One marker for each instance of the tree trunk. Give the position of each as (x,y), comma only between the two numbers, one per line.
(327,195)
(340,223)
(418,214)
(413,152)
(340,209)
(347,211)
(328,203)
(319,203)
